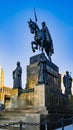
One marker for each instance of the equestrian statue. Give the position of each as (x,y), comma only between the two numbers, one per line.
(42,38)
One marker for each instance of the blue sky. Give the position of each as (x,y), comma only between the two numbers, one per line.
(15,36)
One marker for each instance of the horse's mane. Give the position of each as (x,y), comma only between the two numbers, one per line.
(36,25)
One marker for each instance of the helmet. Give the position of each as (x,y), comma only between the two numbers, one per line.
(43,23)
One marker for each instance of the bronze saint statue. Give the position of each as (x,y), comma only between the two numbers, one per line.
(42,74)
(17,77)
(42,38)
(67,80)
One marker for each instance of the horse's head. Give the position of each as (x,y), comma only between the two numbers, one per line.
(32,26)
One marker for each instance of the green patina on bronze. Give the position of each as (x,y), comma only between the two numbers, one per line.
(28,90)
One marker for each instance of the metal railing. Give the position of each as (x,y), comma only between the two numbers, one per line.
(45,123)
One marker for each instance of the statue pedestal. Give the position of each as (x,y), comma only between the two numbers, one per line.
(36,94)
(38,102)
(15,93)
(52,73)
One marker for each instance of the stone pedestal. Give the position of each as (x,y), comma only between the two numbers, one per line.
(38,102)
(15,93)
(37,94)
(52,71)
(29,97)
(16,115)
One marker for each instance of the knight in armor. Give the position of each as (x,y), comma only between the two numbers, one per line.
(45,31)
(42,38)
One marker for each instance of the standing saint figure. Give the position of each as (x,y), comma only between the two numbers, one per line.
(17,83)
(42,74)
(67,81)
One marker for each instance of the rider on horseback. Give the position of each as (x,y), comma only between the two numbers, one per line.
(46,32)
(47,36)
(42,38)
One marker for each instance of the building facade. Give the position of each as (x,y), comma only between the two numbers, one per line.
(1,78)
(5,91)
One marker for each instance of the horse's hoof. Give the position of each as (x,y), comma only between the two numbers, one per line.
(33,50)
(36,47)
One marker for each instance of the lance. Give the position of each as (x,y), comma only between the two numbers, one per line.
(35,15)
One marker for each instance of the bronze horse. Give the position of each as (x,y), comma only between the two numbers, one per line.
(40,40)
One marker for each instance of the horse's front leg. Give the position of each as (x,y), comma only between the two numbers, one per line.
(33,48)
